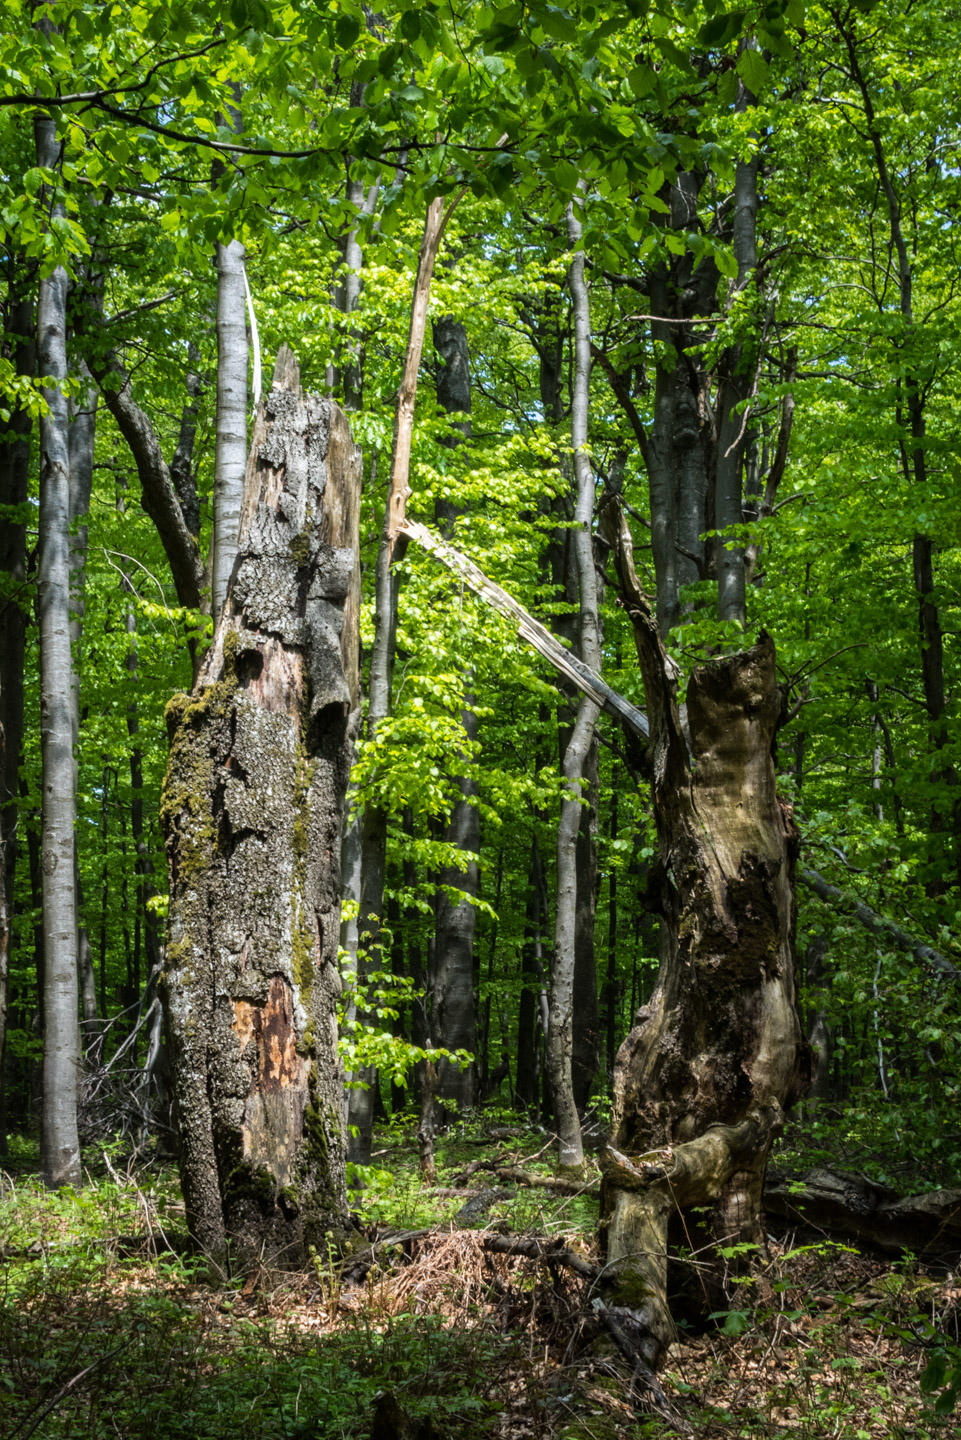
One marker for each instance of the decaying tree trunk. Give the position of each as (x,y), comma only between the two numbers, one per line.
(717,1055)
(252,808)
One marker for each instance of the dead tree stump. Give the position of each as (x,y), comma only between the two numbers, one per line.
(259,762)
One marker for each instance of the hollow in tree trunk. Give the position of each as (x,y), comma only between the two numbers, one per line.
(252,809)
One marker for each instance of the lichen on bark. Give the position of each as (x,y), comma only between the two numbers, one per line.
(253,799)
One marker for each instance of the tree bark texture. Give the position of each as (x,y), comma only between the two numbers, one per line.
(252,811)
(717,1055)
(60,1160)
(14,480)
(231,443)
(82,441)
(454,1007)
(174,515)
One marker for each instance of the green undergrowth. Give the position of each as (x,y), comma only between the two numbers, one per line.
(908,1147)
(105,1332)
(390,1191)
(110,1327)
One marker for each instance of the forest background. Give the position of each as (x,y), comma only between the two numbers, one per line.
(156,158)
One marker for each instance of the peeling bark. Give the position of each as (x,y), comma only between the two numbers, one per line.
(252,809)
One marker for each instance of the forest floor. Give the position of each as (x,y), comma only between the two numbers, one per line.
(110,1328)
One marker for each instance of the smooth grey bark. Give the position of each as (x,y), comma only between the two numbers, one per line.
(585,1032)
(560,1033)
(60,1161)
(182,474)
(453,1002)
(252,811)
(82,440)
(14,482)
(230,450)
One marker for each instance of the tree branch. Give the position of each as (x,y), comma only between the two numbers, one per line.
(157,491)
(877,924)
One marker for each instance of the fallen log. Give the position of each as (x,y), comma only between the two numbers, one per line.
(866,1211)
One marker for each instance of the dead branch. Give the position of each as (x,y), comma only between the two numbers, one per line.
(554,1252)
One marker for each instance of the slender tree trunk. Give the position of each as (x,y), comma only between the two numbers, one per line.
(14,480)
(610,987)
(532,986)
(560,1035)
(252,809)
(734,388)
(361,1097)
(230,456)
(348,374)
(61,1055)
(83,431)
(361,1101)
(914,453)
(454,1008)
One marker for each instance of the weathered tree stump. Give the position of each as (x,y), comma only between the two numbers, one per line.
(716,1056)
(259,763)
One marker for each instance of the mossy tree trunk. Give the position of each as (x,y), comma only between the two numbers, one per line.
(717,1054)
(253,801)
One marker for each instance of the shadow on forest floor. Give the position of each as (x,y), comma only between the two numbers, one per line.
(108,1328)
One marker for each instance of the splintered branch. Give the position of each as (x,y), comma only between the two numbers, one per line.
(877,924)
(532,631)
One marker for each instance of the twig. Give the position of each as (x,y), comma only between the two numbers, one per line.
(65,1389)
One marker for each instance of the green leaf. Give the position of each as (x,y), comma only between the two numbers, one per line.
(346,31)
(753,70)
(720,30)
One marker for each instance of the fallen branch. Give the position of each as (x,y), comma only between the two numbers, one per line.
(852,1205)
(364,1260)
(877,924)
(529,629)
(554,1252)
(514,1176)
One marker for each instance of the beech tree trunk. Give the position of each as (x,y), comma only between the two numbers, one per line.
(454,1008)
(252,810)
(717,1055)
(231,443)
(577,753)
(373,845)
(82,440)
(60,1161)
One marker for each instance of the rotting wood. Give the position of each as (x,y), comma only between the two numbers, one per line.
(260,757)
(929,1225)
